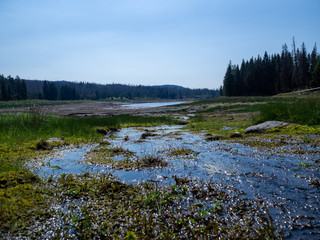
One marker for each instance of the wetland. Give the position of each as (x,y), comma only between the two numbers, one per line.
(167,172)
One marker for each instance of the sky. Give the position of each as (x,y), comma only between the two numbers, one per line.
(148,42)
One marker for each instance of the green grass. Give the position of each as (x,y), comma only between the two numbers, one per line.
(27,127)
(19,133)
(300,110)
(215,125)
(238,108)
(33,103)
(227,100)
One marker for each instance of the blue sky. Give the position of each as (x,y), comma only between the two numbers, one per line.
(148,42)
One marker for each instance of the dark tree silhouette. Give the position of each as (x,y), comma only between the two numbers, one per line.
(273,74)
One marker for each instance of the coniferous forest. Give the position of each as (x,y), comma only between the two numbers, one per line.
(273,74)
(18,89)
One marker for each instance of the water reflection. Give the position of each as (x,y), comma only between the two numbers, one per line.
(276,179)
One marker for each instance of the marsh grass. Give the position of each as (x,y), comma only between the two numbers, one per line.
(238,108)
(20,132)
(228,100)
(216,125)
(300,110)
(25,127)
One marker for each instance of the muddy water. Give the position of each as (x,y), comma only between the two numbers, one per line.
(276,179)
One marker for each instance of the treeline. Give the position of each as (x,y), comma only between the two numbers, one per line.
(273,74)
(12,88)
(64,90)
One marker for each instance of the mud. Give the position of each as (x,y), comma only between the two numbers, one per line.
(99,108)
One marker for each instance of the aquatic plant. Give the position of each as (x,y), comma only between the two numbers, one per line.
(148,134)
(182,152)
(100,206)
(215,169)
(151,161)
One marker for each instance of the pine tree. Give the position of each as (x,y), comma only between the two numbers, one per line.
(303,69)
(18,88)
(23,90)
(45,90)
(286,70)
(228,81)
(295,75)
(53,91)
(315,82)
(313,61)
(237,86)
(4,94)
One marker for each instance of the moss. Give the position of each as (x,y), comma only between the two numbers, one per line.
(21,201)
(112,209)
(182,152)
(13,178)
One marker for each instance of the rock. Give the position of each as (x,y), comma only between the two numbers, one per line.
(236,135)
(265,126)
(56,140)
(43,145)
(147,134)
(102,130)
(213,138)
(106,130)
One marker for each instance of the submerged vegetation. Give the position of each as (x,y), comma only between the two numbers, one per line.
(101,206)
(102,155)
(182,152)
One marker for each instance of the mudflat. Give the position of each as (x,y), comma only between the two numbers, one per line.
(90,108)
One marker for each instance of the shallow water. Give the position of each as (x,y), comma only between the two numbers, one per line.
(276,179)
(150,105)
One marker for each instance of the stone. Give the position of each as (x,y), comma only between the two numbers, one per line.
(265,126)
(102,130)
(57,140)
(43,145)
(213,138)
(236,135)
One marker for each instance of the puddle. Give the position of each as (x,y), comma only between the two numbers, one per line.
(278,180)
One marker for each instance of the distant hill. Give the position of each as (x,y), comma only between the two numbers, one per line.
(66,90)
(21,89)
(168,86)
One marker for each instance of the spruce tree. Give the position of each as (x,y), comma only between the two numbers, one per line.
(315,82)
(303,69)
(45,90)
(4,94)
(285,70)
(313,61)
(23,90)
(228,81)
